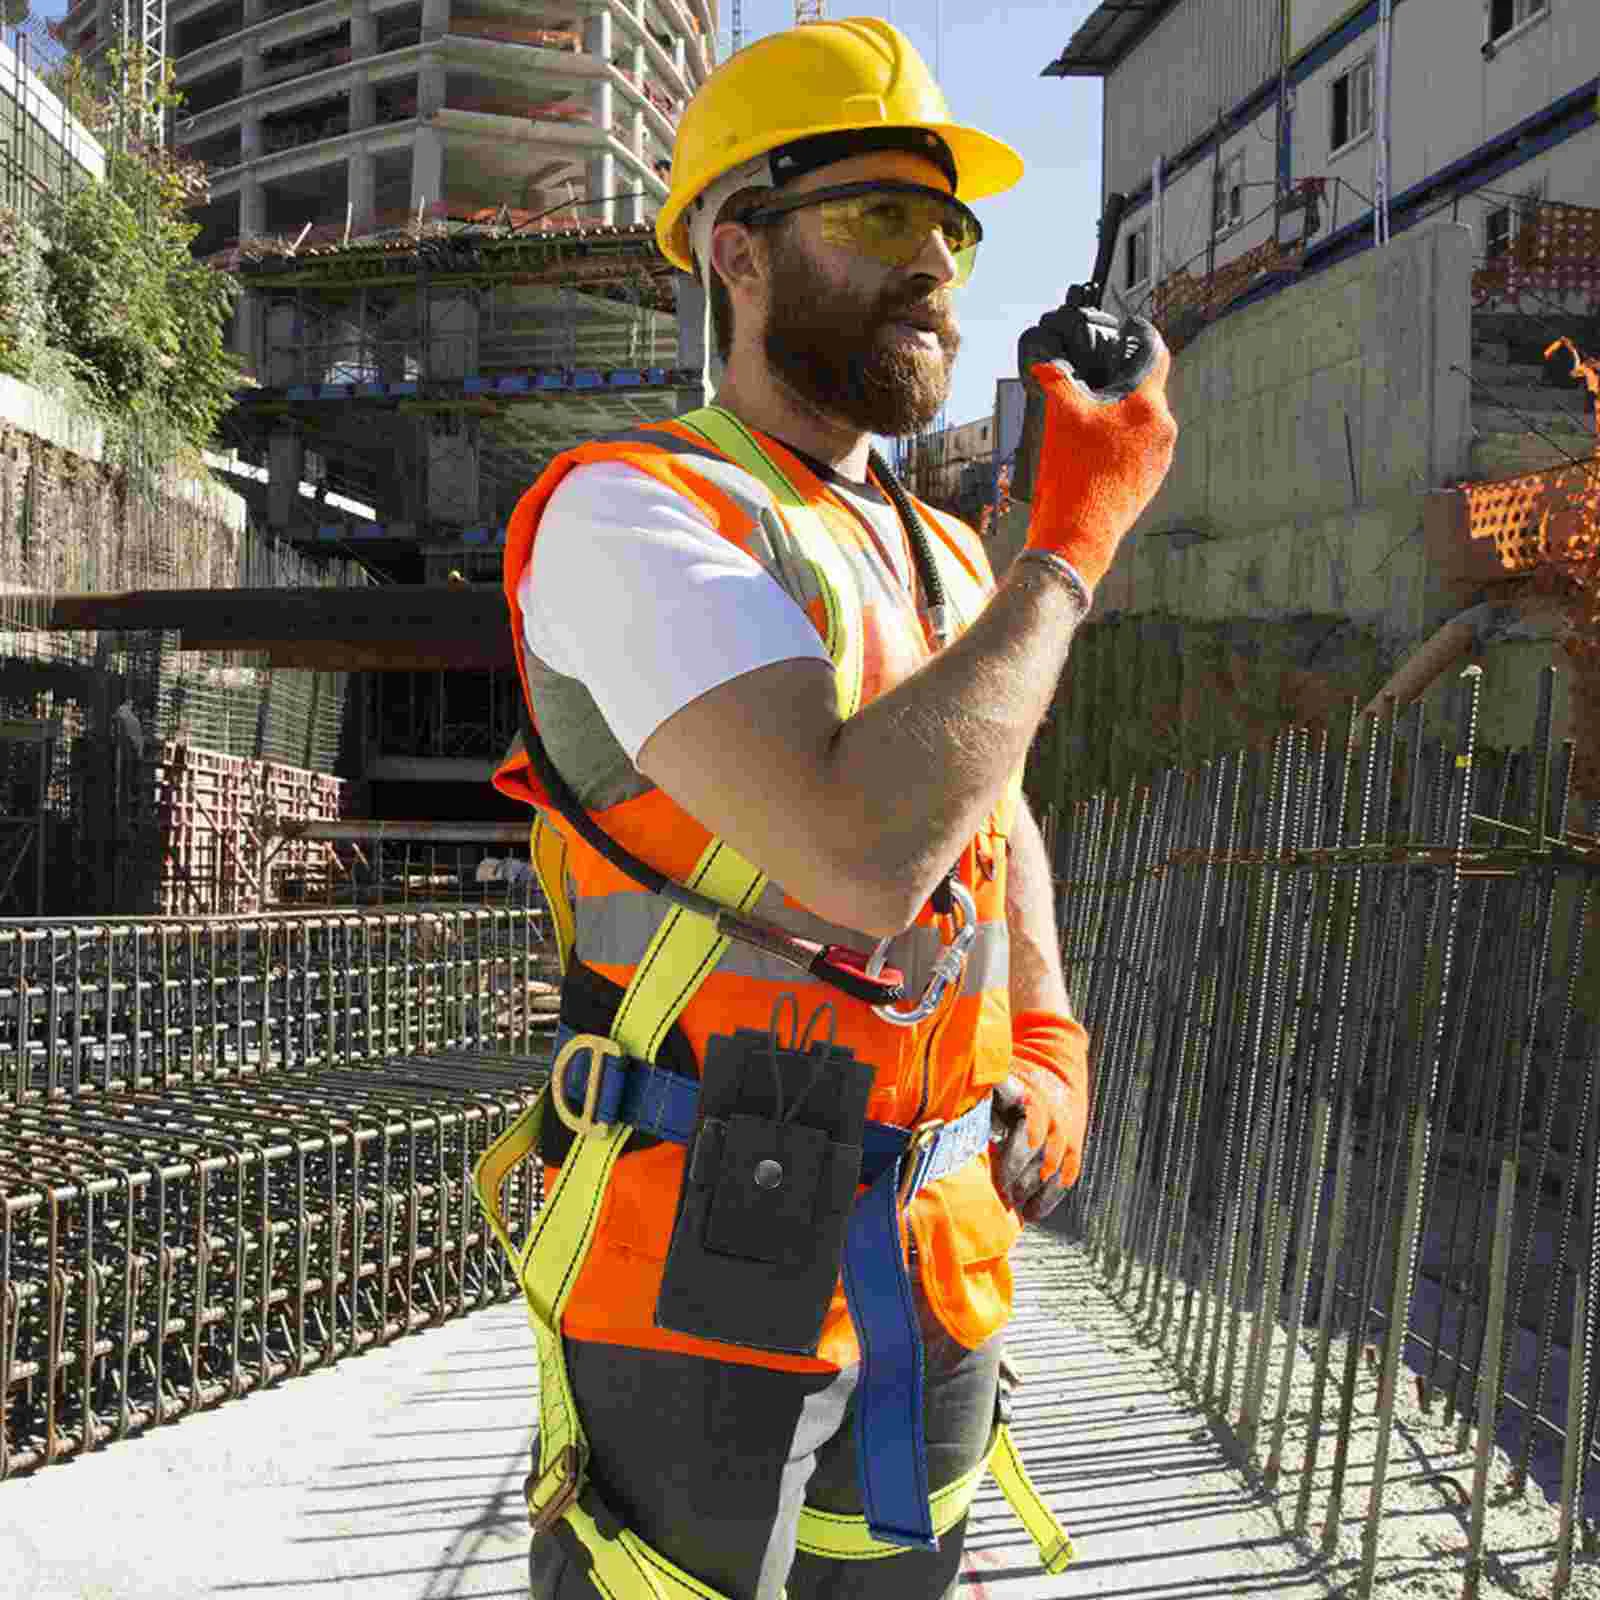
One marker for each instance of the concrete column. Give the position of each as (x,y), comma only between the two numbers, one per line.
(252,207)
(250,137)
(362,176)
(597,36)
(600,174)
(694,339)
(286,463)
(254,11)
(250,65)
(363,103)
(431,87)
(247,329)
(363,30)
(427,167)
(452,350)
(435,18)
(451,452)
(680,56)
(600,105)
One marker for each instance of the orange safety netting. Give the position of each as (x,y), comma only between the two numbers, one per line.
(1178,298)
(1546,529)
(1555,252)
(509,33)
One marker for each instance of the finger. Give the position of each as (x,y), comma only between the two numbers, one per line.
(1019,1165)
(1042,1203)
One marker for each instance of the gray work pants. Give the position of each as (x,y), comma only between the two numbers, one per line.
(710,1462)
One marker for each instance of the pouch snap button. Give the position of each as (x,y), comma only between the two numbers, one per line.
(768,1174)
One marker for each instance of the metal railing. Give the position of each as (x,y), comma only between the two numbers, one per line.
(145,1004)
(1347,1030)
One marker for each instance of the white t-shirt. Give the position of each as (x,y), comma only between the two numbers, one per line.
(632,591)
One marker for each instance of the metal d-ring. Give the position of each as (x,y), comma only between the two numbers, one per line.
(947,969)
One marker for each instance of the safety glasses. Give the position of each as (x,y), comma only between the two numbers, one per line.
(886,221)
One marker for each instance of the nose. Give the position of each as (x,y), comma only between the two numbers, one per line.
(935,259)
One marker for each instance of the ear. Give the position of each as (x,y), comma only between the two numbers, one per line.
(738,257)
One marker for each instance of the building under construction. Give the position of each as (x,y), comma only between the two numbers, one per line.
(421,334)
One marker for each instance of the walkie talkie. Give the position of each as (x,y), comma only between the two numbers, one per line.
(1100,330)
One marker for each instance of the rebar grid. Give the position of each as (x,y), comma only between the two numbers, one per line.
(1346,1027)
(162,1252)
(154,1003)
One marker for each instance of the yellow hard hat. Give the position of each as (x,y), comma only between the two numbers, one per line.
(853,75)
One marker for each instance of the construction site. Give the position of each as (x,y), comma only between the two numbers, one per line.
(1321,793)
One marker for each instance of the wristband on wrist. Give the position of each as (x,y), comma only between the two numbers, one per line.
(1064,570)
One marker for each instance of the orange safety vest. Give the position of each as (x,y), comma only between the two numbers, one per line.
(961,1229)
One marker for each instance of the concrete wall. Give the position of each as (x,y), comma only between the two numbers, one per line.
(1260,589)
(1263,396)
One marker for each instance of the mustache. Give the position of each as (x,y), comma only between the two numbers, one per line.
(937,313)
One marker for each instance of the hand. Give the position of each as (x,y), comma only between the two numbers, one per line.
(1040,1112)
(1106,436)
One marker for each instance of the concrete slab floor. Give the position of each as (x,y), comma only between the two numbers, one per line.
(398,1476)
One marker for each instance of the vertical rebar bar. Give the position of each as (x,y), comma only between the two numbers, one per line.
(1428,1042)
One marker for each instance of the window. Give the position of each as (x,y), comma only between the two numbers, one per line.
(1502,222)
(1351,105)
(1504,15)
(1227,195)
(1136,254)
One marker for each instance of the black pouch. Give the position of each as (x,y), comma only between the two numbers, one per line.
(767,1192)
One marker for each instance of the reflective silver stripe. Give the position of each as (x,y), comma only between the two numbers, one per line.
(614,930)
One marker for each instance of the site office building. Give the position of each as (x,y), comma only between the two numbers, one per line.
(1212,107)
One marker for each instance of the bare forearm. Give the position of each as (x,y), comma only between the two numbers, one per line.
(1037,983)
(924,764)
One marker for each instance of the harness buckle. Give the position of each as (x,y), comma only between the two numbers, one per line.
(918,1155)
(582,1121)
(548,1503)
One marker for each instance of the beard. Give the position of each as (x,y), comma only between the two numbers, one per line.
(836,348)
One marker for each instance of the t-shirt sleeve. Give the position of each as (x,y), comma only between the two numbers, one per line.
(632,591)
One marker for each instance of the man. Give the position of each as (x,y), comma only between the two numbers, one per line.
(743,643)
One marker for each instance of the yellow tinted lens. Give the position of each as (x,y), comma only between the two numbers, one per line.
(894,228)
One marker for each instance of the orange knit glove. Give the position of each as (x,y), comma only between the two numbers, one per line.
(1108,435)
(1040,1113)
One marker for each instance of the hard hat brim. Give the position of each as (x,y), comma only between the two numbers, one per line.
(985,166)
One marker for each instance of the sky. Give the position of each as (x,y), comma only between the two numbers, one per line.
(1038,238)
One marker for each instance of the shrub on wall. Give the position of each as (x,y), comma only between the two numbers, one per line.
(24,295)
(139,325)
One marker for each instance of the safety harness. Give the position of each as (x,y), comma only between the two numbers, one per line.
(603,1087)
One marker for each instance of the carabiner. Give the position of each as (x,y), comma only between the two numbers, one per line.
(947,969)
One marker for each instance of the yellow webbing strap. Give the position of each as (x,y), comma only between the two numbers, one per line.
(1056,1552)
(685,948)
(844,1538)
